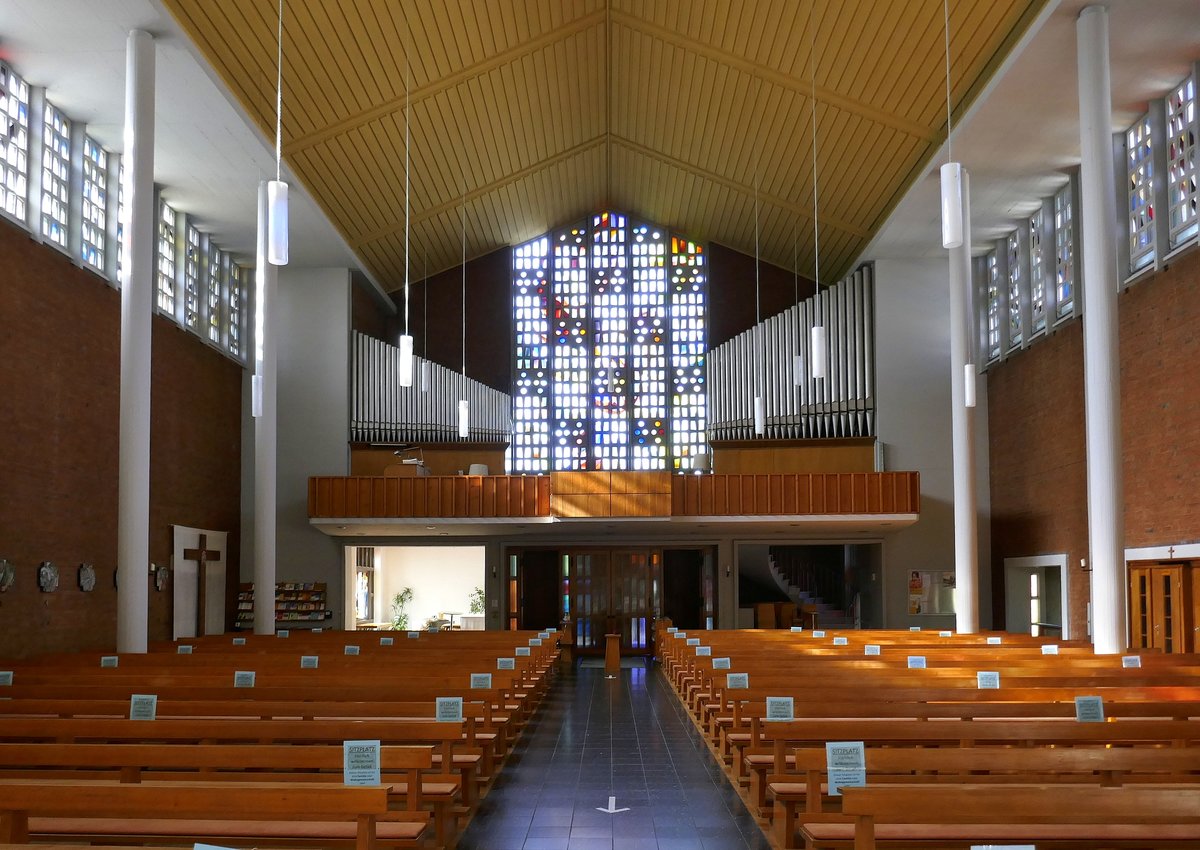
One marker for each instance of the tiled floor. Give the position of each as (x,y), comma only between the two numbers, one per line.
(627,738)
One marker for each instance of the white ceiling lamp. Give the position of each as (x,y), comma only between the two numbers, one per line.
(760,414)
(277,190)
(952,202)
(464,407)
(819,357)
(426,366)
(969,384)
(406,340)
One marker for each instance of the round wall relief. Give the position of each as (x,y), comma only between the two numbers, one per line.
(48,577)
(8,575)
(87,578)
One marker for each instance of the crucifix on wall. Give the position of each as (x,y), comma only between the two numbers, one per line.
(202,555)
(199,566)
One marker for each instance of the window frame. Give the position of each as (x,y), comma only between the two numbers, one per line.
(14,81)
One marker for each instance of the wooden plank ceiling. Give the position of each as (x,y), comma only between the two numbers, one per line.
(539,111)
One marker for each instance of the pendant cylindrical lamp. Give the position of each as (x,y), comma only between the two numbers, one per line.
(760,416)
(277,222)
(819,357)
(969,385)
(464,418)
(952,217)
(406,360)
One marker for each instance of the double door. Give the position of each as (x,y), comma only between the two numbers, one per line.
(1164,609)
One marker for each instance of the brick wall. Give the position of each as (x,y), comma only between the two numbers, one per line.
(60,350)
(1037,442)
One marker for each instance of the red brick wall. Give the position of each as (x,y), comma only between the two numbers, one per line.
(1037,441)
(60,347)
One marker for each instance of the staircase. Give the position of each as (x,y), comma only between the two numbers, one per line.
(828,616)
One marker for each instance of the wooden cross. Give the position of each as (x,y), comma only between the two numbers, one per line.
(1171,552)
(201,556)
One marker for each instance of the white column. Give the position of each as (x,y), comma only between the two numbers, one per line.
(137,307)
(962,430)
(266,279)
(1101,367)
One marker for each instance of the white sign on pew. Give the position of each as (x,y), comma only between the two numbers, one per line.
(243,679)
(994,640)
(916,662)
(693,641)
(946,633)
(282,633)
(143,706)
(449,709)
(780,708)
(522,650)
(552,631)
(414,635)
(672,629)
(6,677)
(183,649)
(360,761)
(737,680)
(236,642)
(108,661)
(818,633)
(535,641)
(841,641)
(506,664)
(720,663)
(481,680)
(309,662)
(987,680)
(317,631)
(1003,847)
(871,649)
(544,635)
(351,649)
(914,628)
(797,628)
(386,641)
(704,650)
(1050,649)
(1131,661)
(679,635)
(199,846)
(1089,709)
(846,764)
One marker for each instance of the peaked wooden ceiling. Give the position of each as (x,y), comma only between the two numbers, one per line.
(515,108)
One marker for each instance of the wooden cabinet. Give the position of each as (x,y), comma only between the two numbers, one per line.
(300,605)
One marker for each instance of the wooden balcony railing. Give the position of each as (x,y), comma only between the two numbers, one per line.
(615,495)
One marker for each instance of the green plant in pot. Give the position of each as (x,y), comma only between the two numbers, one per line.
(399,603)
(476,598)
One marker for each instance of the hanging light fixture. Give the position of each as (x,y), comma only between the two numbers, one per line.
(277,190)
(426,366)
(406,340)
(464,408)
(969,384)
(952,201)
(760,414)
(818,356)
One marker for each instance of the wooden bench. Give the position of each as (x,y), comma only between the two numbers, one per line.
(1061,816)
(246,813)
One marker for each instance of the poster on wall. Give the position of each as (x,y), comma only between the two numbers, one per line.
(931,592)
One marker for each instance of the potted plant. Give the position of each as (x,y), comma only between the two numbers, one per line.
(399,603)
(476,598)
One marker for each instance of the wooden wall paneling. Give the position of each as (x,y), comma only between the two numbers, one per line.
(475,496)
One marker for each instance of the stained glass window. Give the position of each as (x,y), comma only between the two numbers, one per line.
(165,279)
(1064,252)
(233,318)
(1140,177)
(95,203)
(56,171)
(1037,273)
(1181,161)
(1014,290)
(14,143)
(191,280)
(213,290)
(610,322)
(993,307)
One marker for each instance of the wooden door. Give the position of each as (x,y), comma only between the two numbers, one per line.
(589,594)
(1161,609)
(613,591)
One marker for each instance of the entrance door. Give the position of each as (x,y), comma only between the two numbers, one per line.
(687,588)
(1159,606)
(536,588)
(1034,596)
(614,592)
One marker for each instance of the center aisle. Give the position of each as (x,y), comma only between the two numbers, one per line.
(628,738)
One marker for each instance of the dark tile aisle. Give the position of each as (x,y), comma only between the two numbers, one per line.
(626,738)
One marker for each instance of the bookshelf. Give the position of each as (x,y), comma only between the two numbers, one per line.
(298,605)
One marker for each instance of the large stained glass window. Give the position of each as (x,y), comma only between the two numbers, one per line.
(1181,160)
(191,279)
(165,279)
(610,319)
(214,290)
(1064,252)
(95,203)
(993,307)
(1015,285)
(1037,273)
(1140,177)
(56,175)
(14,143)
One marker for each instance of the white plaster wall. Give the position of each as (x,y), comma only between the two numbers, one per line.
(442,578)
(913,373)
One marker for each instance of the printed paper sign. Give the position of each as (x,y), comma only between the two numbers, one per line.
(449,709)
(198,846)
(183,649)
(522,650)
(672,629)
(1127,661)
(544,635)
(693,641)
(946,633)
(720,663)
(916,662)
(841,641)
(871,649)
(914,628)
(309,662)
(1050,649)
(6,677)
(797,628)
(108,661)
(704,650)
(1089,709)
(818,633)
(143,706)
(317,631)
(236,642)
(535,641)
(351,649)
(481,680)
(1003,847)
(360,762)
(283,633)
(551,631)
(387,641)
(994,641)
(987,679)
(780,708)
(846,764)
(680,635)
(506,664)
(414,635)
(737,680)
(243,679)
